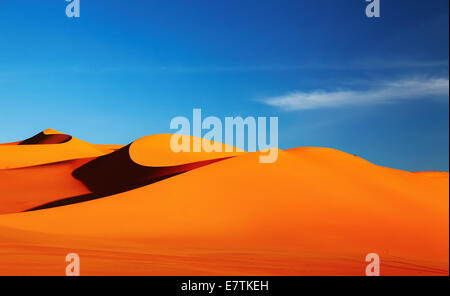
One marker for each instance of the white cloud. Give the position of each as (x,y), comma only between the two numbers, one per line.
(383,93)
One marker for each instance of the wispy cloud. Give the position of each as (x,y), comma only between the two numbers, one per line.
(386,92)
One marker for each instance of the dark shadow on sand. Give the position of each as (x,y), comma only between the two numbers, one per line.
(41,139)
(117,173)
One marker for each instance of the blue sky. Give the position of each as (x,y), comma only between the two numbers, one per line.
(377,88)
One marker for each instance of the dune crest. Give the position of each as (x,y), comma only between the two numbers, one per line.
(49,136)
(163,156)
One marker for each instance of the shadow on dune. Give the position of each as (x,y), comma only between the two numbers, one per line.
(116,173)
(42,138)
(88,197)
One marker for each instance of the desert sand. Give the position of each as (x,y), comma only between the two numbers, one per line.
(140,209)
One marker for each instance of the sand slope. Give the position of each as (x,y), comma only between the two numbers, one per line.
(26,188)
(79,180)
(314,212)
(46,147)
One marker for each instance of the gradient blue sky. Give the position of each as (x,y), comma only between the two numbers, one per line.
(126,68)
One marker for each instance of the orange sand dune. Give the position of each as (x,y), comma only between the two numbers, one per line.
(155,151)
(313,212)
(141,163)
(79,180)
(25,188)
(48,136)
(46,147)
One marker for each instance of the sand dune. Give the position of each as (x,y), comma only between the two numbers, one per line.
(46,147)
(79,180)
(141,163)
(48,136)
(26,188)
(314,212)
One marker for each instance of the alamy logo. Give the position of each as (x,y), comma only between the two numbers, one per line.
(73,8)
(373,8)
(73,268)
(373,268)
(258,133)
